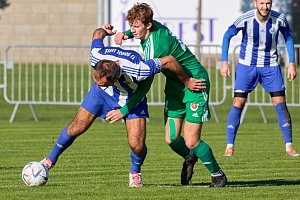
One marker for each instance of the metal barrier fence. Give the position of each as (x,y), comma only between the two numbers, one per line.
(1,72)
(61,75)
(259,97)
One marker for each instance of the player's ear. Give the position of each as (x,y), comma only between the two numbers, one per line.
(117,62)
(149,25)
(254,3)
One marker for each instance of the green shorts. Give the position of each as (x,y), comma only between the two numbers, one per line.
(180,102)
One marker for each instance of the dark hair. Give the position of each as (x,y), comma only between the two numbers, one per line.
(140,11)
(108,69)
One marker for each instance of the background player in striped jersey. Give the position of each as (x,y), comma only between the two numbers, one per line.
(258,62)
(181,105)
(117,75)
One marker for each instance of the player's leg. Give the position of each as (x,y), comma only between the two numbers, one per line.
(197,112)
(174,115)
(136,133)
(272,81)
(93,105)
(174,139)
(192,136)
(246,80)
(173,136)
(78,125)
(284,122)
(233,120)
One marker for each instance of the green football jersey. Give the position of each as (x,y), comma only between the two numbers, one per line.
(162,42)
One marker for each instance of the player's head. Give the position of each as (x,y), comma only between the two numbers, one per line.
(106,72)
(263,7)
(140,18)
(140,11)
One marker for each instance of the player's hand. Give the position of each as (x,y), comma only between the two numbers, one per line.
(109,29)
(291,75)
(225,69)
(119,37)
(114,115)
(195,85)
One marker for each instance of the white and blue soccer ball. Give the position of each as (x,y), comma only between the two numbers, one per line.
(35,174)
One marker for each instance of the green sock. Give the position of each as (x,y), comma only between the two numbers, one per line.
(179,147)
(205,154)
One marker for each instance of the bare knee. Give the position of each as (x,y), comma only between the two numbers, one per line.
(138,147)
(239,102)
(191,144)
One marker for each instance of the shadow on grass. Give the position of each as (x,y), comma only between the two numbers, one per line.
(178,185)
(275,182)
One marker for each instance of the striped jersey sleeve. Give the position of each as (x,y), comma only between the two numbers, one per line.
(131,62)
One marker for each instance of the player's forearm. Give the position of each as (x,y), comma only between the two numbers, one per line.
(290,49)
(171,64)
(99,33)
(137,96)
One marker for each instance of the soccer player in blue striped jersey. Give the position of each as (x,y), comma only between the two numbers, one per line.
(258,62)
(117,75)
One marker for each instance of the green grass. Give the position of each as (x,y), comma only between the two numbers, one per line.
(96,166)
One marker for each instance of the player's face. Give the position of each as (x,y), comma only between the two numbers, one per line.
(140,30)
(263,7)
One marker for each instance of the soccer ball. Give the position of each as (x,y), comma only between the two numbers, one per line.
(35,174)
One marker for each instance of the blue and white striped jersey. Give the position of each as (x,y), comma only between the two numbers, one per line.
(259,40)
(133,69)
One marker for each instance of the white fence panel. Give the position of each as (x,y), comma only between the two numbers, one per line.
(61,75)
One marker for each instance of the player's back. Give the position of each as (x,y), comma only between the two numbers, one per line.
(133,69)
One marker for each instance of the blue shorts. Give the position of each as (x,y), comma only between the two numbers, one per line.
(247,78)
(100,103)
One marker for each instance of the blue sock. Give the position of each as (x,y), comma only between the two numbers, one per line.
(137,161)
(63,142)
(233,123)
(284,121)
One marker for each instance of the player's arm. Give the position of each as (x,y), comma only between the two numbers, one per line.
(133,101)
(120,36)
(105,29)
(225,68)
(171,64)
(289,41)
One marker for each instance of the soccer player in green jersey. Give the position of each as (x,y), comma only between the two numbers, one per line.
(181,104)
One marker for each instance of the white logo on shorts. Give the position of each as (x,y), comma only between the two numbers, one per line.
(143,112)
(195,115)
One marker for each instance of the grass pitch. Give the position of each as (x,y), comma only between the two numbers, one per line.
(96,166)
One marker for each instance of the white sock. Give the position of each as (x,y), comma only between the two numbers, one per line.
(229,146)
(288,145)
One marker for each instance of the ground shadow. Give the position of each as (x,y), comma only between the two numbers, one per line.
(257,183)
(275,182)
